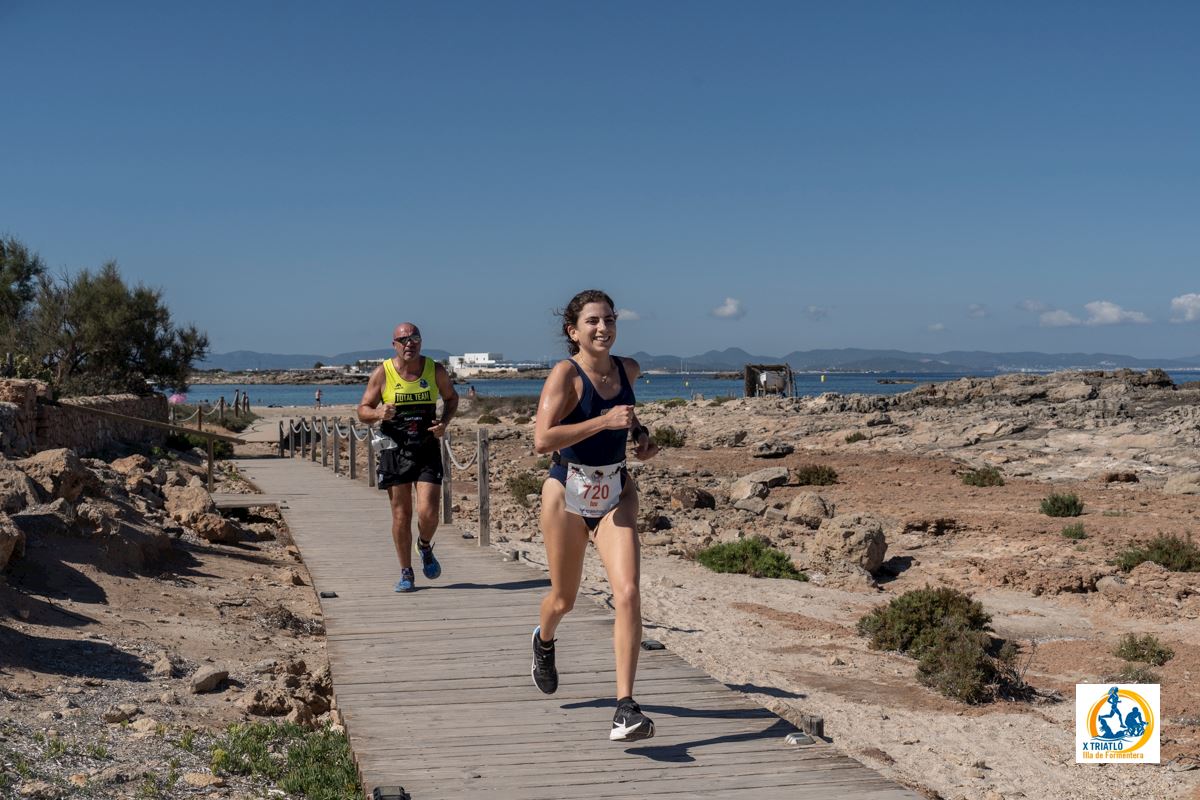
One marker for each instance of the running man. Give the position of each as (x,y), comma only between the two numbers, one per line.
(402,396)
(585,417)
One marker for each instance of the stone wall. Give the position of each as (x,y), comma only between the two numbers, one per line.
(27,425)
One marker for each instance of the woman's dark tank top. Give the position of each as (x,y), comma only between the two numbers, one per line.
(605,447)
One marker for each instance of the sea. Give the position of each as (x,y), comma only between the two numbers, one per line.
(648,388)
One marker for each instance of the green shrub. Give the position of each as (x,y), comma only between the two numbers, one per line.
(666,436)
(1075,531)
(912,622)
(314,764)
(815,475)
(543,463)
(1147,649)
(1062,505)
(523,484)
(857,436)
(488,419)
(722,400)
(754,557)
(187,441)
(948,633)
(985,476)
(674,402)
(957,663)
(1177,555)
(522,420)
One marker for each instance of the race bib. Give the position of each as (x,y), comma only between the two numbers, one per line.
(593,491)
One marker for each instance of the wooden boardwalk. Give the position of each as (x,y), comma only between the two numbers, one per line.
(435,689)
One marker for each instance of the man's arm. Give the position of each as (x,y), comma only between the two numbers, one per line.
(449,400)
(371,408)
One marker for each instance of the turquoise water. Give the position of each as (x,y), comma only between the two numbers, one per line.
(649,387)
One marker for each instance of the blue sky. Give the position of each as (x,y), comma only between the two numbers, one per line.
(298,177)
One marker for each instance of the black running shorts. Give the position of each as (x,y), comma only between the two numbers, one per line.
(398,466)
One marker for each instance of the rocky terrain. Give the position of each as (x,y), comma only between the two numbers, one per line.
(900,517)
(128,586)
(137,623)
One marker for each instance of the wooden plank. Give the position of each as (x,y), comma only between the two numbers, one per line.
(455,655)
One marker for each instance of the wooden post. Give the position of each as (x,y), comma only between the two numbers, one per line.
(337,447)
(324,444)
(313,451)
(292,439)
(447,480)
(199,417)
(370,457)
(281,439)
(353,453)
(210,465)
(484,501)
(221,410)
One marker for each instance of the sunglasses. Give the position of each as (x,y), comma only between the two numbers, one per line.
(402,340)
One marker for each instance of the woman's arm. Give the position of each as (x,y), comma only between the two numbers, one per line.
(558,397)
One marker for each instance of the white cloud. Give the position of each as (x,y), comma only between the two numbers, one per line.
(628,315)
(1185,308)
(1033,306)
(1057,319)
(817,313)
(936,327)
(1102,312)
(730,309)
(977,311)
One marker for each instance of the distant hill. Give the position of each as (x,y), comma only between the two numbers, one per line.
(241,360)
(731,359)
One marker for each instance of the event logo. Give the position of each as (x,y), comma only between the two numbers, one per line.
(1116,723)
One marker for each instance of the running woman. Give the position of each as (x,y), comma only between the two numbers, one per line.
(585,418)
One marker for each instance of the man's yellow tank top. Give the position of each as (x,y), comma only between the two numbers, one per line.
(415,402)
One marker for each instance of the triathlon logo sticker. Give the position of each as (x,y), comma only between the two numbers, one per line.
(1116,723)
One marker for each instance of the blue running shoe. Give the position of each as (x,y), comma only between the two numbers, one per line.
(407,581)
(429,563)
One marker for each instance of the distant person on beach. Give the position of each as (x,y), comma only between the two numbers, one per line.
(471,392)
(318,398)
(402,396)
(585,418)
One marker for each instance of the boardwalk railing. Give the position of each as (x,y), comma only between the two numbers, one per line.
(216,411)
(300,437)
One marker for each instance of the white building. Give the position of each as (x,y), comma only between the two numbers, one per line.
(474,361)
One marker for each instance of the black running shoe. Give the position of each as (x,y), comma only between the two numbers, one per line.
(545,676)
(629,723)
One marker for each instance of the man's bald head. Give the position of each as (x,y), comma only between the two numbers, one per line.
(406,329)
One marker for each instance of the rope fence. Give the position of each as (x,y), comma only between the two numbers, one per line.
(240,407)
(300,437)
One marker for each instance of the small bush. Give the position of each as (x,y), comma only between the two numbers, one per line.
(1075,531)
(523,484)
(815,475)
(666,436)
(187,441)
(957,663)
(986,476)
(912,622)
(313,764)
(1062,505)
(488,419)
(522,420)
(1147,649)
(754,557)
(674,402)
(543,463)
(722,400)
(857,436)
(1120,477)
(1177,555)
